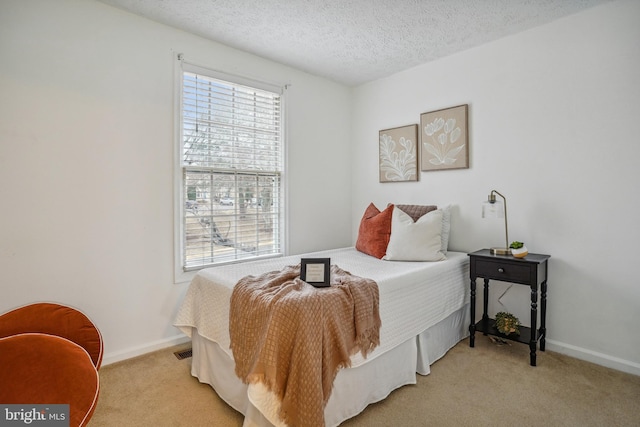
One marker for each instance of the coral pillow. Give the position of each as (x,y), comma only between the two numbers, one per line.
(375,230)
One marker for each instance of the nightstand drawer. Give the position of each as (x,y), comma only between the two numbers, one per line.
(503,271)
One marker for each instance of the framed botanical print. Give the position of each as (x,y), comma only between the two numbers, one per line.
(398,154)
(444,139)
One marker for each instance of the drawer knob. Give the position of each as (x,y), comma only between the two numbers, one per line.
(501,270)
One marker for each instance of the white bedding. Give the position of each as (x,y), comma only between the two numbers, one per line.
(414,296)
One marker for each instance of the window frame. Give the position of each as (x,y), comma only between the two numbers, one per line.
(181,274)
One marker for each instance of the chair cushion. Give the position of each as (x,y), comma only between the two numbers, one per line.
(55,319)
(47,369)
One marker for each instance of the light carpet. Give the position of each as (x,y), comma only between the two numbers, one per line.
(489,385)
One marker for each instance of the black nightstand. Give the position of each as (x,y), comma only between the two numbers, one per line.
(530,271)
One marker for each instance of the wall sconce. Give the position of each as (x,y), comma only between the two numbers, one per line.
(493,208)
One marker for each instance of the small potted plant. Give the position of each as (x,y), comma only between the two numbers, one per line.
(507,323)
(518,249)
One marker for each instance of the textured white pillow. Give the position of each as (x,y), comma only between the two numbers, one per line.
(415,241)
(446,227)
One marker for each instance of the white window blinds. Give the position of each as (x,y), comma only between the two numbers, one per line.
(232,166)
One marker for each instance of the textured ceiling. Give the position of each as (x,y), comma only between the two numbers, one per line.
(353,41)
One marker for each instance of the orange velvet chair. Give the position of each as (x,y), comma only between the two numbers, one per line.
(55,319)
(50,354)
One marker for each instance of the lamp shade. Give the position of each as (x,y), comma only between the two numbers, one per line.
(493,210)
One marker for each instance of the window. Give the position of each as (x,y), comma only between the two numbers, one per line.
(231,166)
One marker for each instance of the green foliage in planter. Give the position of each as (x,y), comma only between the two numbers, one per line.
(516,245)
(507,323)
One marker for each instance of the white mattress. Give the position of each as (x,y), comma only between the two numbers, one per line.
(413,295)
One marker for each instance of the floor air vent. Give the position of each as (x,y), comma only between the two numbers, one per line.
(184,354)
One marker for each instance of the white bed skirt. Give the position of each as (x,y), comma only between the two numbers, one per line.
(354,388)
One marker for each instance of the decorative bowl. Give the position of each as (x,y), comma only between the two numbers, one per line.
(520,253)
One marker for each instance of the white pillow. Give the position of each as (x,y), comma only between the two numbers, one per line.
(446,227)
(415,241)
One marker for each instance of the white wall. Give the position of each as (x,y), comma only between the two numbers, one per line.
(86,156)
(86,128)
(553,118)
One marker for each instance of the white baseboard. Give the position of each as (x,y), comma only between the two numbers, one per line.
(118,356)
(594,357)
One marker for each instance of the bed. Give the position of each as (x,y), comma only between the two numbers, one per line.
(423,309)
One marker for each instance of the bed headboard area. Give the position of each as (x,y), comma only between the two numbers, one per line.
(405,232)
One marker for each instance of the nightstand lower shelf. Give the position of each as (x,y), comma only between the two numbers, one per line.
(524,337)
